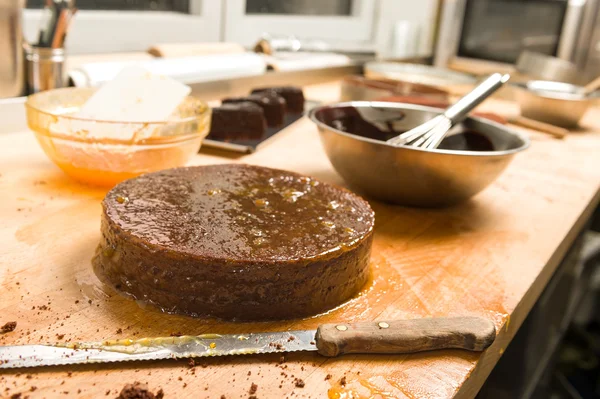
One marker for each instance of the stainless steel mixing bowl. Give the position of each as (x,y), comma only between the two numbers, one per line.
(559,104)
(407,175)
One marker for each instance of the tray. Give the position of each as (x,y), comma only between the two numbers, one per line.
(250,146)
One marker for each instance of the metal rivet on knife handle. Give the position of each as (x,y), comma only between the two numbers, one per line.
(406,336)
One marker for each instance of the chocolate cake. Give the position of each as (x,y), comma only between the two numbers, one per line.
(272,104)
(244,120)
(294,97)
(235,241)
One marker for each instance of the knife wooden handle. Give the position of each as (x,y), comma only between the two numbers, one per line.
(405,336)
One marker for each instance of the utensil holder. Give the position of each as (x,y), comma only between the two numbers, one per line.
(45,68)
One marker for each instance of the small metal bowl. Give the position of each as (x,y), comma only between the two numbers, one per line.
(539,66)
(406,175)
(559,104)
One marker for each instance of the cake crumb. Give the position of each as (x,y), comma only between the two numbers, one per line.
(138,390)
(176,334)
(8,327)
(253,388)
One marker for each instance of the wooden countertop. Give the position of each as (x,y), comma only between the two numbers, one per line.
(491,256)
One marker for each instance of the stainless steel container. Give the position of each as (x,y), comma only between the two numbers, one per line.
(45,68)
(12,69)
(544,67)
(408,175)
(559,104)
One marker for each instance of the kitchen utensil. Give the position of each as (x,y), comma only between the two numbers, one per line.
(176,50)
(539,66)
(197,69)
(407,175)
(542,127)
(430,134)
(389,337)
(102,155)
(451,81)
(359,88)
(430,101)
(559,104)
(271,44)
(55,18)
(12,66)
(45,68)
(591,87)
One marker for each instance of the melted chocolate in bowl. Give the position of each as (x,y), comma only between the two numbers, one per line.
(383,125)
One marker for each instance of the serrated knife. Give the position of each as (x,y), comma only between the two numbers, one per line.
(391,337)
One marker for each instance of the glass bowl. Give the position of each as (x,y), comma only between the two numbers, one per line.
(107,152)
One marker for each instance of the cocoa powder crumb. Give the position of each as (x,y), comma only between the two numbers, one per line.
(223,397)
(32,388)
(343,381)
(282,359)
(60,336)
(191,363)
(328,377)
(119,331)
(16,395)
(300,383)
(8,327)
(252,397)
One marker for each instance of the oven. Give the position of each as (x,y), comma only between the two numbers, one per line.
(485,35)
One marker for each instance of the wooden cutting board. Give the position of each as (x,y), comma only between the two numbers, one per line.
(491,257)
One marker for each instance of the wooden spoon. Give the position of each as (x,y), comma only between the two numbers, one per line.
(591,87)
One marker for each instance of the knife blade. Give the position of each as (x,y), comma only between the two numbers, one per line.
(400,336)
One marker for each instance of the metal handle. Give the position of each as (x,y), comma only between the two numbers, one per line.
(459,111)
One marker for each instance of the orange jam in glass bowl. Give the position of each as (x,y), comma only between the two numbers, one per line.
(107,152)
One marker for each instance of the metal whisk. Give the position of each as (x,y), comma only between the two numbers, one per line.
(431,133)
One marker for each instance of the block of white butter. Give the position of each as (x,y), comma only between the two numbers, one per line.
(135,95)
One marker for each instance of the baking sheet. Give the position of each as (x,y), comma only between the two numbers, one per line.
(250,146)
